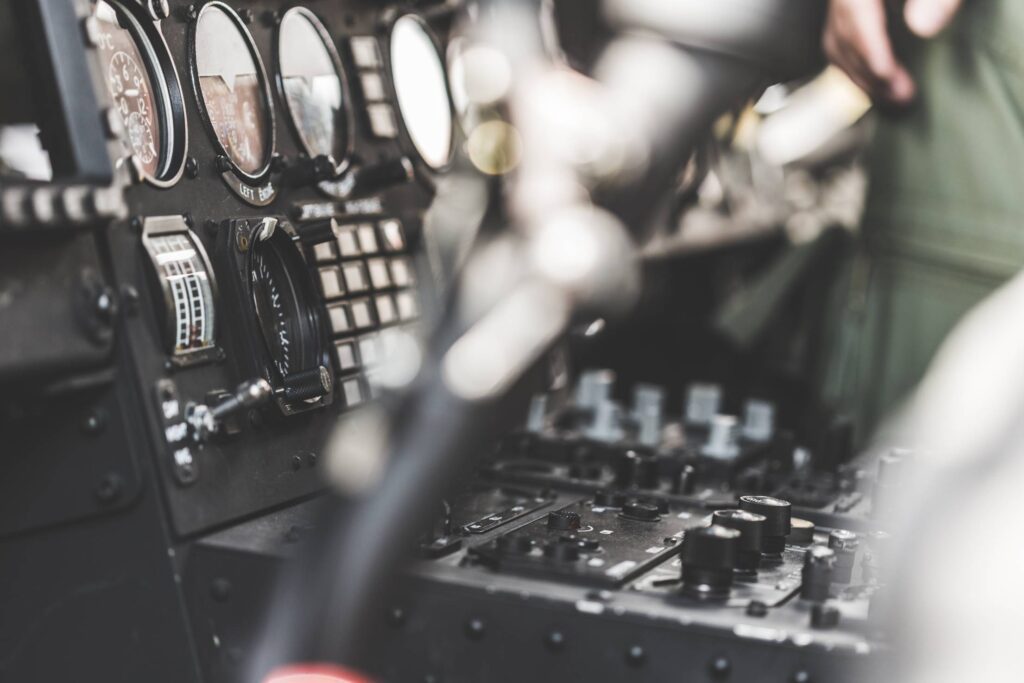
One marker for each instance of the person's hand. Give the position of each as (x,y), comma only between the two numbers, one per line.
(857,41)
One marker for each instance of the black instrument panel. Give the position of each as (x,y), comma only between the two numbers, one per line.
(253,146)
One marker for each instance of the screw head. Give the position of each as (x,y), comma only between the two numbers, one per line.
(159,9)
(555,641)
(475,629)
(94,422)
(130,298)
(396,617)
(223,163)
(220,589)
(192,168)
(635,655)
(109,488)
(720,667)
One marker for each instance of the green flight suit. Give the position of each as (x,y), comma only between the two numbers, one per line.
(944,221)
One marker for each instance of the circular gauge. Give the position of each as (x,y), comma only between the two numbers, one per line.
(283,298)
(313,85)
(145,90)
(421,87)
(233,92)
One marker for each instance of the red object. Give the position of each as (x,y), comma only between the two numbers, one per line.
(314,673)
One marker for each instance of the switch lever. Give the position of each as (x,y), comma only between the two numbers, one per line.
(205,420)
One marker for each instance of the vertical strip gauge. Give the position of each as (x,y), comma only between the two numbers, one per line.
(421,88)
(143,85)
(313,85)
(185,281)
(234,100)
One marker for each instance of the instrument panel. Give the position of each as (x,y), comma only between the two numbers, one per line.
(280,160)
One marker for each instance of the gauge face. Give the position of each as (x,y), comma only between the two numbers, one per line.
(417,71)
(187,290)
(232,85)
(281,298)
(312,84)
(141,91)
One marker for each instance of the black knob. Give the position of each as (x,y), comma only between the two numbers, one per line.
(563,520)
(514,544)
(776,522)
(307,171)
(308,384)
(845,544)
(563,550)
(318,232)
(647,474)
(751,528)
(709,556)
(660,503)
(641,511)
(684,480)
(819,565)
(801,532)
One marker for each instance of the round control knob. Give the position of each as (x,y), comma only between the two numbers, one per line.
(709,556)
(641,511)
(751,528)
(845,544)
(514,544)
(563,520)
(776,523)
(819,565)
(801,531)
(684,480)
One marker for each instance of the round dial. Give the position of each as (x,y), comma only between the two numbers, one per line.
(232,85)
(313,84)
(417,71)
(129,87)
(282,298)
(143,87)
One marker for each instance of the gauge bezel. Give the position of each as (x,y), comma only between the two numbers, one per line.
(158,227)
(270,134)
(156,56)
(405,138)
(341,165)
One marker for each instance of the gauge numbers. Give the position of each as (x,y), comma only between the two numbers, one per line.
(140,91)
(233,89)
(275,319)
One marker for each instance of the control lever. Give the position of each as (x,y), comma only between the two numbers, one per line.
(360,181)
(308,171)
(205,420)
(364,180)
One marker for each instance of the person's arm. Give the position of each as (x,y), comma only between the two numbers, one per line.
(856,39)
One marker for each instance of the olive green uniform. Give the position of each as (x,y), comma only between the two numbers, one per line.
(944,222)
